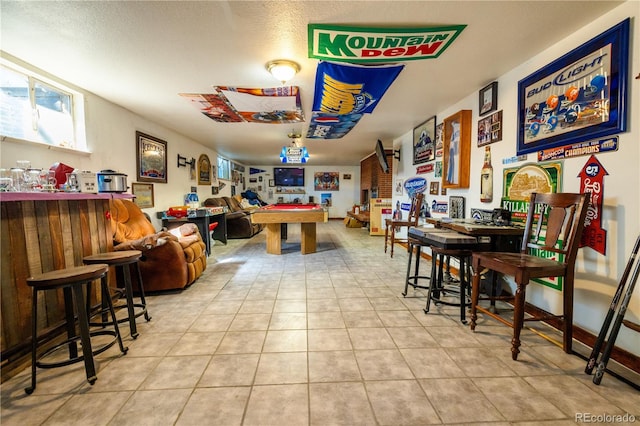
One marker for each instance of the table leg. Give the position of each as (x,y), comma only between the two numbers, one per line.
(308,237)
(274,243)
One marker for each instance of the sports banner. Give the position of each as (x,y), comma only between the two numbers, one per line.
(236,105)
(351,89)
(331,126)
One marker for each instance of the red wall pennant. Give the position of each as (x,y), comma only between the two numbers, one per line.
(592,180)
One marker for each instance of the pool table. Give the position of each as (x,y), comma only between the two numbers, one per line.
(276,216)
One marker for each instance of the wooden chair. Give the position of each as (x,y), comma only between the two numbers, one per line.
(412,220)
(554,224)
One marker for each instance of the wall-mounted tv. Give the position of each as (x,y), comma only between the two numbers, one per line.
(288,176)
(382,157)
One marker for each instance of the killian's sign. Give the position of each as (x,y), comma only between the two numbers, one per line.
(361,45)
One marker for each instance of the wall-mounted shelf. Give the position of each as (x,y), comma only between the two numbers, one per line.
(291,192)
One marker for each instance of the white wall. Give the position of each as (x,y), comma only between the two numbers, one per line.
(112,143)
(342,200)
(596,275)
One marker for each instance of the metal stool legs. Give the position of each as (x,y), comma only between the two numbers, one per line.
(122,261)
(437,287)
(412,280)
(73,294)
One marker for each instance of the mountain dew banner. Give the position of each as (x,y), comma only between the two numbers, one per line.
(351,89)
(375,45)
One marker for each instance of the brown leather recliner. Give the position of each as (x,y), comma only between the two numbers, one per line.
(170,260)
(239,223)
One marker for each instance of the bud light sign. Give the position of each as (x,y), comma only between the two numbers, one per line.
(415,185)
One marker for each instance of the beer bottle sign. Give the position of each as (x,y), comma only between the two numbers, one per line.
(486,178)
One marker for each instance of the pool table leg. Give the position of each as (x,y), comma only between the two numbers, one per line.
(274,243)
(308,237)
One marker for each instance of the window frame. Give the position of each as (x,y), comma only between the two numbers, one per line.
(224,172)
(77,114)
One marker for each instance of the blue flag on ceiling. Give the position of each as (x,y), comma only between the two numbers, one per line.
(331,126)
(351,89)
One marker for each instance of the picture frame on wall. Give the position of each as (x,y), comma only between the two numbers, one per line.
(204,170)
(488,98)
(424,145)
(456,157)
(567,102)
(434,187)
(490,129)
(398,186)
(326,181)
(143,193)
(456,207)
(151,159)
(439,139)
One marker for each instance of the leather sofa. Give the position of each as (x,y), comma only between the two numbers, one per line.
(170,259)
(239,223)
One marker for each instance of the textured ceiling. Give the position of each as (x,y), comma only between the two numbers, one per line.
(141,54)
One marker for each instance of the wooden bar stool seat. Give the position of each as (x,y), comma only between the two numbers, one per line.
(122,261)
(73,281)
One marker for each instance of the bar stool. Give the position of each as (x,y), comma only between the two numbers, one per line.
(413,280)
(122,261)
(441,256)
(72,281)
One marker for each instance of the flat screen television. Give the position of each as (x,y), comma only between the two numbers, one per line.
(288,176)
(382,157)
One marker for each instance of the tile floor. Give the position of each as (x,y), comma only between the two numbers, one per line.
(320,339)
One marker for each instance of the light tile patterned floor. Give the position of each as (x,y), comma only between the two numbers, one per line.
(320,339)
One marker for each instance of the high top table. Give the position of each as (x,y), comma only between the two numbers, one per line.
(498,237)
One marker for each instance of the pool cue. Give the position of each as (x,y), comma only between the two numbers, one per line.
(602,365)
(593,358)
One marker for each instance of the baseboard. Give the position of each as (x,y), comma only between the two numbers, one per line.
(624,358)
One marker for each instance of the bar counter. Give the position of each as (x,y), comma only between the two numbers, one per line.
(41,232)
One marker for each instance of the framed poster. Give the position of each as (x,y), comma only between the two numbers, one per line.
(488,98)
(143,194)
(581,95)
(434,187)
(490,129)
(151,159)
(326,181)
(456,207)
(424,148)
(204,170)
(456,157)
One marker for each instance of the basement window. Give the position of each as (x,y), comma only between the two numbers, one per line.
(223,168)
(38,109)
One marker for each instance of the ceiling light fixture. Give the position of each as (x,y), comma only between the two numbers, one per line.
(283,69)
(296,139)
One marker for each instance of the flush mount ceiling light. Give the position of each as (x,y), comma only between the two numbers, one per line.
(296,139)
(283,69)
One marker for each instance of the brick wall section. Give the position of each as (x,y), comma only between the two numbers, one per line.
(372,177)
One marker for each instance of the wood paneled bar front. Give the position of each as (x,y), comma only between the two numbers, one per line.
(41,232)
